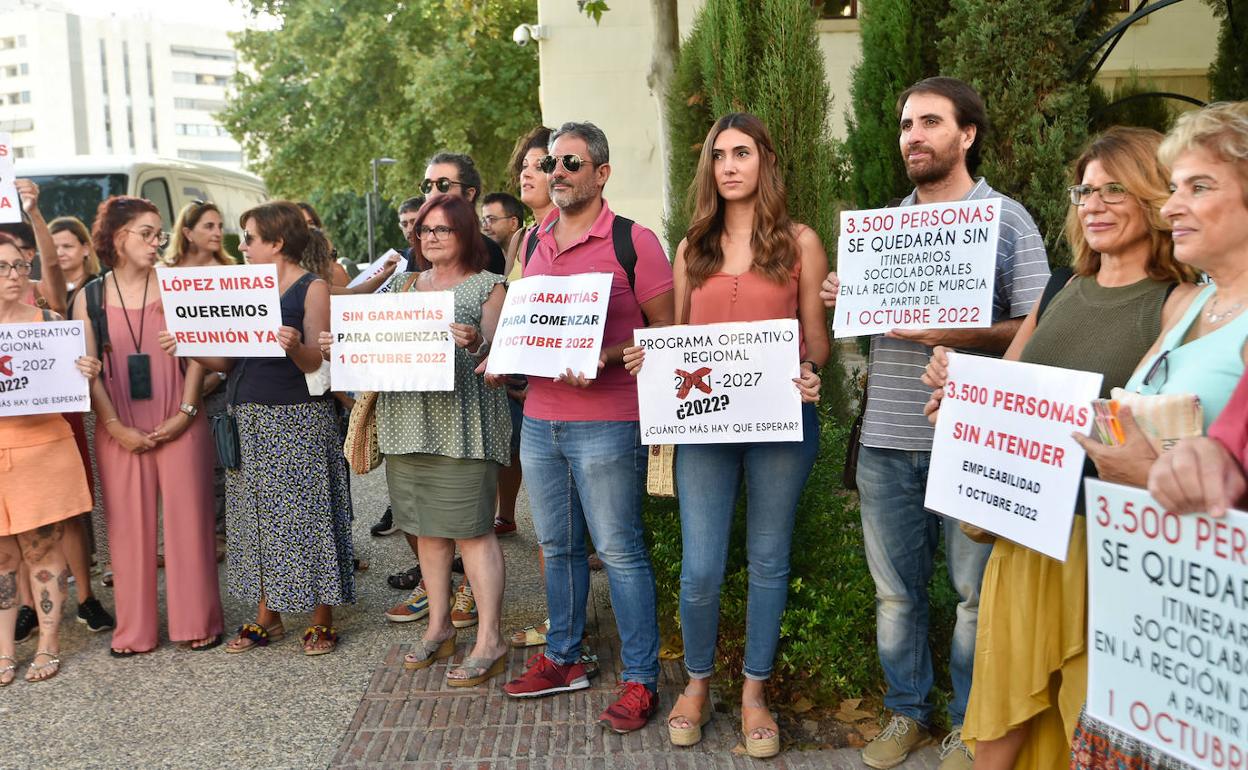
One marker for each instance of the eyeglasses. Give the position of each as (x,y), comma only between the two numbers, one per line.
(248,238)
(21,268)
(572,163)
(1160,366)
(160,237)
(441,231)
(1110,192)
(489,219)
(442,183)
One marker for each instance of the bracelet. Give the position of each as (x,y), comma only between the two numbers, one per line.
(813,365)
(482,349)
(111,419)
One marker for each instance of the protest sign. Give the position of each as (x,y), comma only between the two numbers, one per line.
(223,310)
(10,203)
(551,323)
(1168,625)
(720,383)
(394,341)
(374,268)
(1003,458)
(917,267)
(37,368)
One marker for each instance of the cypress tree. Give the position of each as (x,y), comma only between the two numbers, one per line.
(1228,75)
(898,49)
(1020,56)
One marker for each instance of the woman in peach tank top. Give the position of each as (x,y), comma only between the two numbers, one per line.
(743,259)
(33,449)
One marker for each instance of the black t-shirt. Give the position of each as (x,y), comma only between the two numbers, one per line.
(497,262)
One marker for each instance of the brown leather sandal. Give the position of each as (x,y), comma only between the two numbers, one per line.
(696,710)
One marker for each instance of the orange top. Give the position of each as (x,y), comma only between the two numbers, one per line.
(32,429)
(750,296)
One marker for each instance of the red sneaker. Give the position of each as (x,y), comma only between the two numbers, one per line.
(545,677)
(631,712)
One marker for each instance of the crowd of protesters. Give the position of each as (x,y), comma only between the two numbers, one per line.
(1153,301)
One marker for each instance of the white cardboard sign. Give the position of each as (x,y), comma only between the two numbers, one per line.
(223,310)
(1167,602)
(37,368)
(398,341)
(374,268)
(930,266)
(551,323)
(1003,458)
(720,383)
(10,203)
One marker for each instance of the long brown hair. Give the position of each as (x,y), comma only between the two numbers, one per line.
(773,241)
(1129,156)
(188,218)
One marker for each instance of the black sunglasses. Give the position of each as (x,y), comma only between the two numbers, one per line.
(572,163)
(442,183)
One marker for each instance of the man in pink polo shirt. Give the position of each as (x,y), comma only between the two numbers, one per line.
(580,446)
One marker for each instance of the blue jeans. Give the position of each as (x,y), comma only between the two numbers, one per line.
(591,474)
(901,541)
(708,478)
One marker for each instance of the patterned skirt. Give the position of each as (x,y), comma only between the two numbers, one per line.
(1098,746)
(288,509)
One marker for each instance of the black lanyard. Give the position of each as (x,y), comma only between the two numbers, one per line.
(138,341)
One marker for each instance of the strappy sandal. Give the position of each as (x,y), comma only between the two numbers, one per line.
(481,670)
(257,635)
(428,652)
(696,710)
(316,634)
(529,636)
(760,748)
(9,669)
(52,662)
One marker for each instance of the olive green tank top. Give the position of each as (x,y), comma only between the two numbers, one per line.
(1097,329)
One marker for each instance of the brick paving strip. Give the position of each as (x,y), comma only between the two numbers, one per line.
(412,719)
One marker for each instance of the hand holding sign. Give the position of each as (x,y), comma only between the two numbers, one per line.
(1197,474)
(1125,463)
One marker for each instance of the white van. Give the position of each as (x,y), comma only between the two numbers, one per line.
(75,186)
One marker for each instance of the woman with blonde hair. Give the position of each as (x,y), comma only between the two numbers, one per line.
(1030,649)
(198,237)
(743,259)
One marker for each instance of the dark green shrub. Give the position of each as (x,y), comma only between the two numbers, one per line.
(1228,75)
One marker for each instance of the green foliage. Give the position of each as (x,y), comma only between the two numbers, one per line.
(1121,109)
(1019,55)
(346,224)
(339,84)
(1228,75)
(898,49)
(594,9)
(761,56)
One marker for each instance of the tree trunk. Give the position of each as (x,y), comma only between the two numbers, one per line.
(662,67)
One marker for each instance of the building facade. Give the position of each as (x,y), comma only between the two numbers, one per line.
(76,85)
(598,73)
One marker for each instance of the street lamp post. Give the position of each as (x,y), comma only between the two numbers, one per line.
(368,201)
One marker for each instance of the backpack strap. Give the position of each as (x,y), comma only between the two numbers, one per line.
(625,251)
(1057,281)
(530,246)
(96,314)
(47,315)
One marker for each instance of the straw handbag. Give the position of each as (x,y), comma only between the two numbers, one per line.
(363,454)
(661,471)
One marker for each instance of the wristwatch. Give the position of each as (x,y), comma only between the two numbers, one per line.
(190,410)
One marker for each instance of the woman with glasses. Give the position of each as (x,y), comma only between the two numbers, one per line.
(1205,351)
(149,434)
(1030,656)
(288,507)
(743,259)
(33,450)
(444,448)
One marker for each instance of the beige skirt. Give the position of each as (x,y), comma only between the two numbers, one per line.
(437,496)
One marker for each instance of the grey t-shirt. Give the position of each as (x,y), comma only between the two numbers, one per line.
(895,394)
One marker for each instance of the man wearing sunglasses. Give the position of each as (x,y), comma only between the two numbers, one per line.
(452,173)
(581,449)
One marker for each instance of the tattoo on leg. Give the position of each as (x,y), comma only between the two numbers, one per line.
(45,602)
(8,590)
(43,576)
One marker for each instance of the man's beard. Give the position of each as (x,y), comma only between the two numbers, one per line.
(575,199)
(939,166)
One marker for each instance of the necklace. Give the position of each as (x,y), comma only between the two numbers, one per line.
(1214,317)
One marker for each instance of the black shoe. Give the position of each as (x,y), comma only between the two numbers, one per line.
(458,565)
(27,622)
(386,525)
(406,580)
(92,614)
